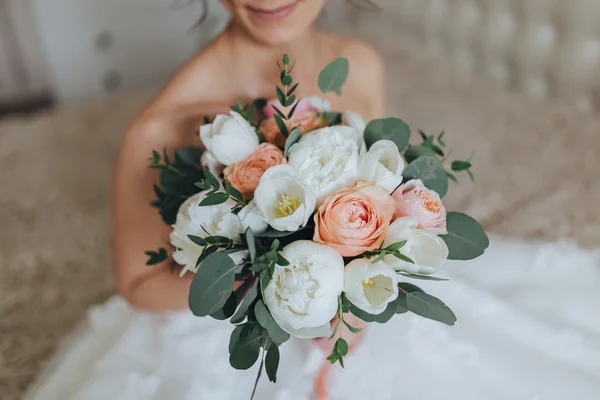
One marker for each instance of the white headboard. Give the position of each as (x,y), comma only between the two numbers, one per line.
(545,48)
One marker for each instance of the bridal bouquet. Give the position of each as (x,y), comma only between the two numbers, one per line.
(296,215)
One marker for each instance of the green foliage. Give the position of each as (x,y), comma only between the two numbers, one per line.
(430,170)
(393,129)
(466,239)
(417,301)
(244,345)
(291,140)
(340,349)
(177,180)
(333,76)
(264,318)
(422,277)
(212,284)
(156,257)
(232,303)
(246,304)
(382,318)
(393,249)
(272,363)
(334,118)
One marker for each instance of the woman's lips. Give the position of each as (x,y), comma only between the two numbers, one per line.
(276,14)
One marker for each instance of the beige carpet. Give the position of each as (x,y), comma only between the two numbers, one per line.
(536,171)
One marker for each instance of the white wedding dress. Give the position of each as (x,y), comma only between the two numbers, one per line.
(528,328)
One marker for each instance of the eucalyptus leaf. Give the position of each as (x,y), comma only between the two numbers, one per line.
(214,199)
(393,129)
(417,301)
(211,179)
(286,80)
(382,318)
(251,242)
(212,284)
(198,240)
(246,349)
(466,239)
(430,170)
(275,234)
(248,301)
(281,125)
(280,95)
(334,118)
(156,257)
(264,318)
(414,152)
(189,155)
(422,277)
(272,363)
(291,140)
(460,165)
(333,76)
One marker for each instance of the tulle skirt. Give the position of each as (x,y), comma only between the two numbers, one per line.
(528,328)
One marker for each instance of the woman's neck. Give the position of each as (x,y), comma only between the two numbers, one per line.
(247,57)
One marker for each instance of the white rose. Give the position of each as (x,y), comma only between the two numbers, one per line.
(282,200)
(382,165)
(252,218)
(370,287)
(230,138)
(303,296)
(425,248)
(197,221)
(354,120)
(327,159)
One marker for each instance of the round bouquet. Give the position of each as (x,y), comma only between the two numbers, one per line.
(295,215)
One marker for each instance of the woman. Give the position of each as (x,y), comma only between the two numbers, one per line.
(134,354)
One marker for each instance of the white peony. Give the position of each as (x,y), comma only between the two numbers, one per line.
(382,165)
(303,296)
(354,120)
(327,159)
(370,287)
(197,221)
(426,249)
(230,138)
(282,200)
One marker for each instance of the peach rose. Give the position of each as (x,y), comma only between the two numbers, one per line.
(413,199)
(354,220)
(245,175)
(307,121)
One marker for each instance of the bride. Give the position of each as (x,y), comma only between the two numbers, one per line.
(526,325)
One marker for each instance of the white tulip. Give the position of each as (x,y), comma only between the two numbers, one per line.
(303,296)
(382,165)
(282,200)
(195,220)
(354,120)
(319,103)
(327,159)
(426,249)
(209,161)
(252,218)
(370,287)
(230,138)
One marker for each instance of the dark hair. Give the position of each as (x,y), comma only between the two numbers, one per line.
(369,5)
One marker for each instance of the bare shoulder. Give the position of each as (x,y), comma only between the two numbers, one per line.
(366,80)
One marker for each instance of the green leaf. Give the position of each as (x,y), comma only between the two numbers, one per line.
(156,257)
(279,112)
(290,101)
(293,110)
(341,347)
(395,246)
(211,179)
(221,241)
(439,138)
(212,284)
(452,177)
(466,239)
(286,80)
(460,165)
(281,125)
(422,277)
(291,140)
(393,129)
(214,199)
(235,337)
(208,250)
(264,318)
(335,329)
(233,192)
(414,152)
(417,301)
(402,257)
(351,328)
(251,242)
(430,170)
(155,156)
(228,309)
(275,246)
(246,304)
(286,59)
(272,363)
(334,118)
(189,155)
(275,234)
(333,76)
(282,261)
(198,240)
(245,350)
(280,96)
(382,318)
(292,90)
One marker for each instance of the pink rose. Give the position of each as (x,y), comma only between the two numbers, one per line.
(304,105)
(354,220)
(307,121)
(245,175)
(413,199)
